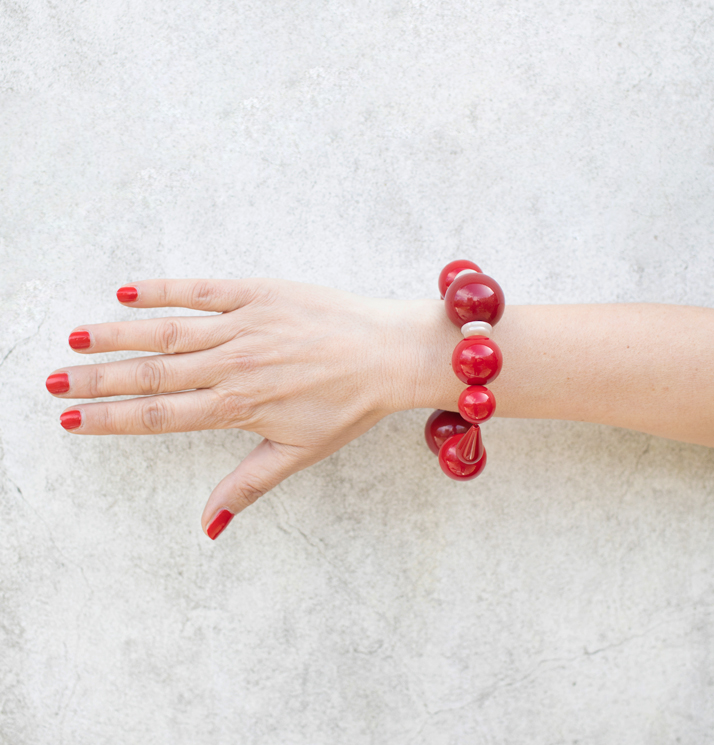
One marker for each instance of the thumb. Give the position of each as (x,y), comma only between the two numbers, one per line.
(263,468)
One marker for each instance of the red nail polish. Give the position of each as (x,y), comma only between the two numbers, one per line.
(218,524)
(79,339)
(58,383)
(71,419)
(127,294)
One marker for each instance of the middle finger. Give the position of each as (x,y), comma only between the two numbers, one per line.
(163,373)
(169,335)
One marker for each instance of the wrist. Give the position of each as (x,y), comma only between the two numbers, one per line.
(418,371)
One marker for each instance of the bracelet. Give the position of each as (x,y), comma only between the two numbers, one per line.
(474,302)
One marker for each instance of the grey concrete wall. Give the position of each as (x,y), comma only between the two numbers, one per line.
(566,596)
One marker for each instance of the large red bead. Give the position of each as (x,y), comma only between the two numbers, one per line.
(451,270)
(441,425)
(453,467)
(474,297)
(476,360)
(476,404)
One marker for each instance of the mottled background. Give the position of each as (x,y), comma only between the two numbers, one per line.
(566,596)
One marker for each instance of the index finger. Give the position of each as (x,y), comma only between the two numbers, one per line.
(218,295)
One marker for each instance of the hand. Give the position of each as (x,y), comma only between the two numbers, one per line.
(307,367)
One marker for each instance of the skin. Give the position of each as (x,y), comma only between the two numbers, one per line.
(311,368)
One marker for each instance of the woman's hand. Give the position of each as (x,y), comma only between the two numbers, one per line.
(307,367)
(310,368)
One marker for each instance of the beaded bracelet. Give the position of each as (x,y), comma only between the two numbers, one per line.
(474,302)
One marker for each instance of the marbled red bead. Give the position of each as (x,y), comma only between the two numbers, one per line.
(474,297)
(476,360)
(453,467)
(476,404)
(451,270)
(441,425)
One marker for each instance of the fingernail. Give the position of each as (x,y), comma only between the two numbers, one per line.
(58,383)
(218,523)
(79,339)
(71,419)
(127,294)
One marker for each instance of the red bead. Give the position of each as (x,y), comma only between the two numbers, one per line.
(453,467)
(441,425)
(476,360)
(451,270)
(474,297)
(476,404)
(470,447)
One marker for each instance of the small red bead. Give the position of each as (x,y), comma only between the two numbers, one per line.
(474,297)
(476,360)
(476,404)
(451,270)
(441,425)
(453,467)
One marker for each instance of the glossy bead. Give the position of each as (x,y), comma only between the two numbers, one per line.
(476,360)
(453,467)
(449,272)
(441,425)
(476,404)
(474,297)
(470,447)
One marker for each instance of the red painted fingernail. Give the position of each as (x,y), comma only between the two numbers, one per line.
(218,524)
(127,294)
(58,383)
(71,419)
(79,339)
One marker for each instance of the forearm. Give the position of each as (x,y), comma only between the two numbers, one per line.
(646,367)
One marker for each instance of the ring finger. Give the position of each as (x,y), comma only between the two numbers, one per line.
(163,373)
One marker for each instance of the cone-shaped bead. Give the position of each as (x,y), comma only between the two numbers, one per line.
(470,447)
(455,468)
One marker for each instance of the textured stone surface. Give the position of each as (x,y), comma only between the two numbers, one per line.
(566,596)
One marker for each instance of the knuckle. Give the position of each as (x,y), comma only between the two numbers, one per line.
(95,382)
(115,337)
(163,294)
(237,408)
(264,291)
(155,417)
(150,376)
(230,408)
(202,294)
(242,362)
(168,335)
(105,419)
(250,492)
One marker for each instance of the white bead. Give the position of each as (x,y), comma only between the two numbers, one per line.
(465,271)
(476,328)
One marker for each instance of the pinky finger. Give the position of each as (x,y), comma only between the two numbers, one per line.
(187,411)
